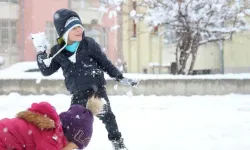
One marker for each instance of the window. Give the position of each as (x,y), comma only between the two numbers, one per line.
(51,33)
(106,1)
(99,36)
(8,33)
(13,1)
(78,4)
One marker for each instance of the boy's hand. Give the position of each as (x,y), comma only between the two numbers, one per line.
(40,42)
(126,81)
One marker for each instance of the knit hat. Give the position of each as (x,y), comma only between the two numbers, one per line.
(77,122)
(64,21)
(61,16)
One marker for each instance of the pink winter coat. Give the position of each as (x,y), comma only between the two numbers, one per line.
(37,128)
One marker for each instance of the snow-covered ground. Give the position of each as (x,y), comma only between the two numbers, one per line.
(163,122)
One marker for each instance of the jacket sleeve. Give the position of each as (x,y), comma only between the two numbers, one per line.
(102,60)
(47,71)
(45,144)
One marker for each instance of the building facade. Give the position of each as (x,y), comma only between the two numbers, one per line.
(127,42)
(8,31)
(20,18)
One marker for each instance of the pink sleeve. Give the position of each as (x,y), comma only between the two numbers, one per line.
(50,143)
(47,146)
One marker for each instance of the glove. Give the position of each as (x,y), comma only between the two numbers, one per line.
(126,81)
(40,42)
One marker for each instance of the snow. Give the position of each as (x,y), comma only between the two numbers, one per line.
(162,122)
(156,64)
(5,129)
(115,27)
(118,2)
(22,66)
(112,14)
(16,74)
(56,16)
(118,8)
(132,13)
(211,18)
(101,9)
(17,71)
(1,60)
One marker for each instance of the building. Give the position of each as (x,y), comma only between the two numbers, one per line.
(145,51)
(8,31)
(127,42)
(20,18)
(142,49)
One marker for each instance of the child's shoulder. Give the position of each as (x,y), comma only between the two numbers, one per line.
(89,39)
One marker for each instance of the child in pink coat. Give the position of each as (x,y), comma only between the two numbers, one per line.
(40,128)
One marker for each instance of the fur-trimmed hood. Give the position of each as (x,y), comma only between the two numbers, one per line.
(43,115)
(41,121)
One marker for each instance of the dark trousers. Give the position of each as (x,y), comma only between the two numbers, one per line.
(108,118)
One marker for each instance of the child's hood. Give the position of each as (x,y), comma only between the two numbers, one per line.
(43,115)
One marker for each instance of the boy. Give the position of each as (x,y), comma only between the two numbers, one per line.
(83,64)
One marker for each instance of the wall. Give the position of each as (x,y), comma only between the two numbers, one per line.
(32,20)
(237,54)
(143,49)
(208,56)
(175,87)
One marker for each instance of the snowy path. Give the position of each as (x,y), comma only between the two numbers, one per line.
(163,123)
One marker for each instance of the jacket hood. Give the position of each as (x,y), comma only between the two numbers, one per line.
(36,119)
(43,115)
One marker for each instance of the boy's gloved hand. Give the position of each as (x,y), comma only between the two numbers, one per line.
(127,81)
(40,42)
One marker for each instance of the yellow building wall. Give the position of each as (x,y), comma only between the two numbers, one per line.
(143,49)
(147,48)
(237,53)
(208,57)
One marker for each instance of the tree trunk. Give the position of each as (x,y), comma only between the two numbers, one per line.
(176,60)
(194,50)
(183,46)
(183,59)
(191,68)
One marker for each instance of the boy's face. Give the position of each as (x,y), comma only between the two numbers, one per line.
(75,34)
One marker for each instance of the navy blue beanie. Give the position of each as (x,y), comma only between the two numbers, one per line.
(61,17)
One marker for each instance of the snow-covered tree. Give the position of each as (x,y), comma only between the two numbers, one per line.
(195,22)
